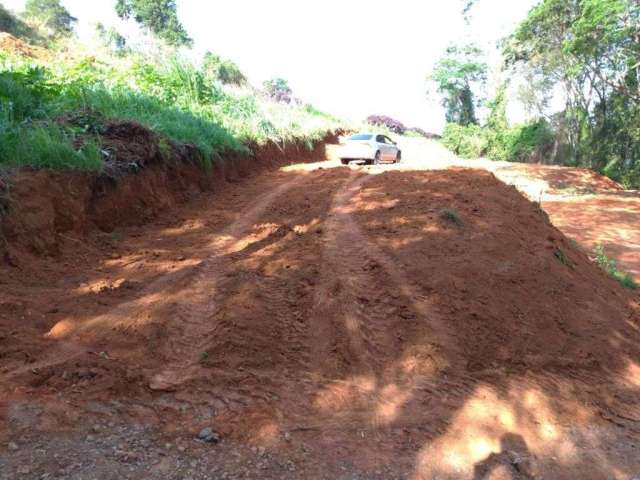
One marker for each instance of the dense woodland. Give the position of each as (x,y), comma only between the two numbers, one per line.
(583,54)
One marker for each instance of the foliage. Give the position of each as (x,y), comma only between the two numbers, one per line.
(224,71)
(450,215)
(591,49)
(396,126)
(51,15)
(456,75)
(11,24)
(279,90)
(159,16)
(112,38)
(610,266)
(171,96)
(468,141)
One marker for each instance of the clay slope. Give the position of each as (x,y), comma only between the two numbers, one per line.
(438,315)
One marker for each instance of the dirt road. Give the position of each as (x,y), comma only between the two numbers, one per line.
(323,322)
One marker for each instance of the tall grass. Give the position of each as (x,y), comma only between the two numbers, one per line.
(172,97)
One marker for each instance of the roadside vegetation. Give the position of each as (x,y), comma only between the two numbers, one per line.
(610,266)
(54,107)
(583,54)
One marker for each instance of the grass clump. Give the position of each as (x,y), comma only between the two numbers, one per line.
(450,215)
(610,266)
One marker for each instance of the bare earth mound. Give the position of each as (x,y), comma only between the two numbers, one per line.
(344,325)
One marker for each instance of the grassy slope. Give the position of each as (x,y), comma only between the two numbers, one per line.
(168,95)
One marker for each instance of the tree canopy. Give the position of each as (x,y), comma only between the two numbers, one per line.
(279,90)
(51,15)
(591,49)
(455,76)
(159,16)
(225,71)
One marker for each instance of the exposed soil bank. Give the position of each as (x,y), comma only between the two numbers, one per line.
(342,322)
(41,207)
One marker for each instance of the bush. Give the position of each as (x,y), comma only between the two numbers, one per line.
(467,141)
(278,90)
(225,71)
(393,125)
(521,143)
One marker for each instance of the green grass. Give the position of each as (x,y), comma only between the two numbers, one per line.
(47,147)
(169,96)
(451,216)
(610,266)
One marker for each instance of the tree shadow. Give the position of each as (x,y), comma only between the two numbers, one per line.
(514,457)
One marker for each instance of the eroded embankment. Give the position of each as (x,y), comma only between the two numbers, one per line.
(40,209)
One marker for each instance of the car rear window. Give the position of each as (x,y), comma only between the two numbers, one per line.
(360,136)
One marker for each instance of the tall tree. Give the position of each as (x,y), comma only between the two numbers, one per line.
(51,15)
(456,74)
(159,16)
(591,48)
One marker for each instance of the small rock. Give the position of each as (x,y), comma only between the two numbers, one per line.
(24,470)
(181,448)
(12,446)
(208,435)
(287,436)
(261,451)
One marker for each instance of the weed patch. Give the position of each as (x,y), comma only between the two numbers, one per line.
(451,216)
(610,266)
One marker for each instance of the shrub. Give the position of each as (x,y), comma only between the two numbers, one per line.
(224,71)
(520,143)
(383,121)
(467,141)
(278,89)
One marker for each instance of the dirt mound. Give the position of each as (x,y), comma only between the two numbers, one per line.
(14,45)
(434,322)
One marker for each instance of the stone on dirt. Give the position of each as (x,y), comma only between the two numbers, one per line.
(208,435)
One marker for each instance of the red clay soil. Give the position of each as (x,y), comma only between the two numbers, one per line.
(11,44)
(409,324)
(589,208)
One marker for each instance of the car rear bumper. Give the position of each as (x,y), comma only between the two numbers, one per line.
(356,153)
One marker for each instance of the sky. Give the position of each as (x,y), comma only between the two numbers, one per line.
(351,58)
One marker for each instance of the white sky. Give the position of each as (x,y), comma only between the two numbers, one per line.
(351,58)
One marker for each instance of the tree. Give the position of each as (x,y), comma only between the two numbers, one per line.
(279,90)
(51,15)
(159,16)
(224,71)
(591,48)
(455,76)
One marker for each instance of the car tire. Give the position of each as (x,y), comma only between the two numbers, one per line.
(376,158)
(398,157)
(344,161)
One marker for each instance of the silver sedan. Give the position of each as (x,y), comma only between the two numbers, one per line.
(370,147)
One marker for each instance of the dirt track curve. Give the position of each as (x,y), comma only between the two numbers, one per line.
(325,322)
